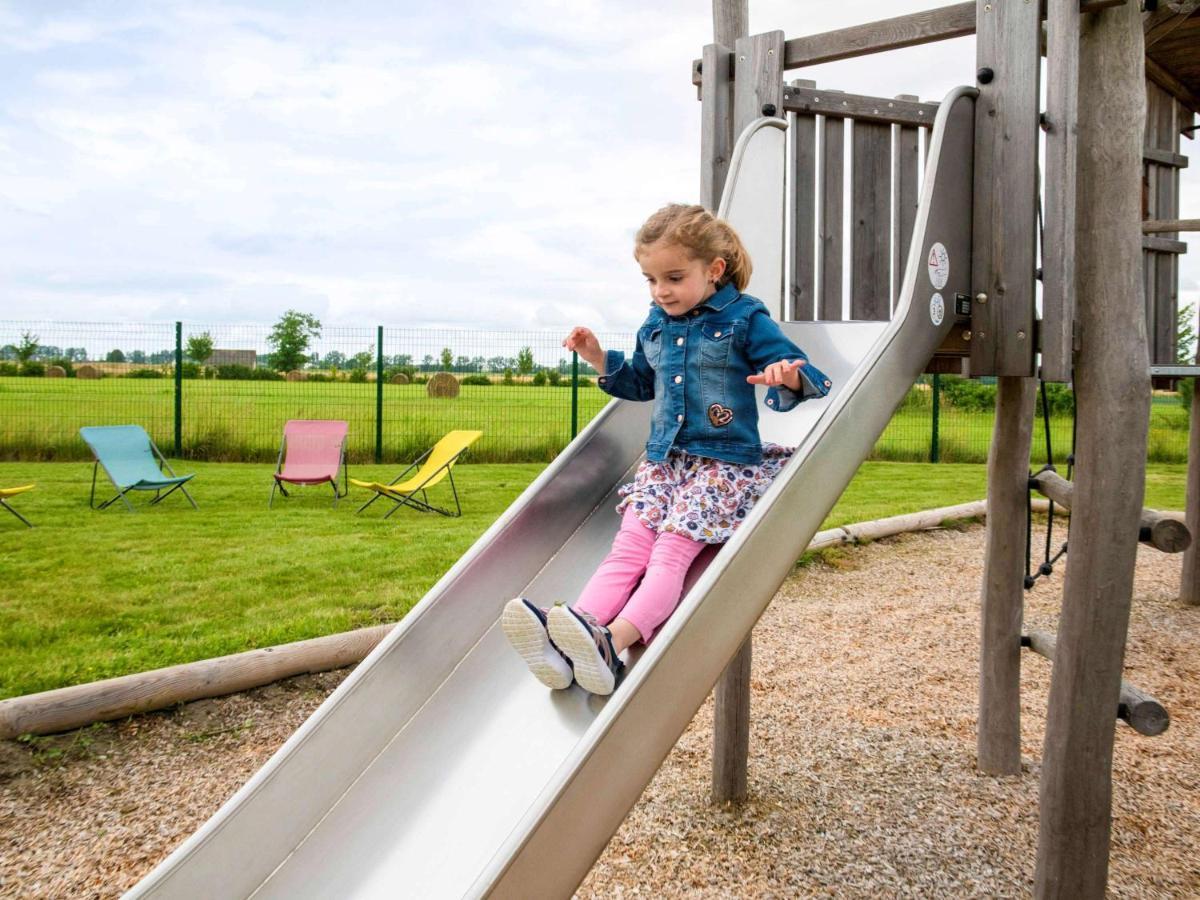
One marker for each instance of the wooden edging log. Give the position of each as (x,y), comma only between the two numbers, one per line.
(115,698)
(50,712)
(1161,530)
(1137,709)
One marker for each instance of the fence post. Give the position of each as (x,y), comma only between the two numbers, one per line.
(379,394)
(935,450)
(178,389)
(574,394)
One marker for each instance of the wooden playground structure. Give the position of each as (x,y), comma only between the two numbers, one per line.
(1122,85)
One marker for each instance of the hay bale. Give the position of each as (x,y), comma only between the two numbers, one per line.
(88,371)
(400,378)
(296,375)
(443,384)
(56,372)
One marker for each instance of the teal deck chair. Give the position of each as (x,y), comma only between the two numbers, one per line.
(128,457)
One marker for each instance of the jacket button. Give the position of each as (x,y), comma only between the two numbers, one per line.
(679,418)
(770,402)
(716,334)
(679,342)
(678,378)
(695,312)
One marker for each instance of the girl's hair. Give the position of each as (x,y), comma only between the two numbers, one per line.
(702,236)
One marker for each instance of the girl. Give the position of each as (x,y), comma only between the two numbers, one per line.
(698,355)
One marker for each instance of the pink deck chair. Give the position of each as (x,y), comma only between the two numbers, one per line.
(312,452)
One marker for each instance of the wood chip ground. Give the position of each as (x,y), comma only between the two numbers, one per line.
(862,775)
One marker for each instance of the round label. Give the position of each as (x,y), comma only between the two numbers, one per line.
(939,266)
(937,309)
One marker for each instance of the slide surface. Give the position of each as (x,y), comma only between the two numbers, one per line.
(440,767)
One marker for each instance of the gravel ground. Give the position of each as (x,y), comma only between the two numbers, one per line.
(862,777)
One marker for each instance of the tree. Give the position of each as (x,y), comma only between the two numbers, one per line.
(1185,335)
(447,359)
(200,347)
(137,356)
(525,361)
(364,359)
(28,346)
(115,356)
(333,360)
(289,339)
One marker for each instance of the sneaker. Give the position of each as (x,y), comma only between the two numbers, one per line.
(590,648)
(525,627)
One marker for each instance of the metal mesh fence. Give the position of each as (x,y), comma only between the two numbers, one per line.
(234,391)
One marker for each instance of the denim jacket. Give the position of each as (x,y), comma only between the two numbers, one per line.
(694,368)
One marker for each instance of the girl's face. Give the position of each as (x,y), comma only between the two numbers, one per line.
(677,282)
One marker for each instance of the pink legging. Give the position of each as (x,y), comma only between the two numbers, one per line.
(661,561)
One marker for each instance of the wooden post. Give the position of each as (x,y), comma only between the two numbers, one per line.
(731,741)
(1189,582)
(905,195)
(803,166)
(1113,410)
(1005,221)
(998,742)
(1062,125)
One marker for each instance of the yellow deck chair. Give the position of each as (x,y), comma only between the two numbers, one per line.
(434,464)
(5,493)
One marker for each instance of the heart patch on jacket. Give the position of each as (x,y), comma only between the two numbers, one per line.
(720,415)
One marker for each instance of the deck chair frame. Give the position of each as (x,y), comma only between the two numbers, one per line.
(410,499)
(4,503)
(342,464)
(159,495)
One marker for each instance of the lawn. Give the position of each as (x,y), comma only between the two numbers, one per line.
(88,595)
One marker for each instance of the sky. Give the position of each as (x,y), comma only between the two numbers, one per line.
(467,165)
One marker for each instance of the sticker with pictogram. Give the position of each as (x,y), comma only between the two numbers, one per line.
(939,266)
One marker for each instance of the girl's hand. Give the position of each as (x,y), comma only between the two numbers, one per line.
(782,372)
(582,341)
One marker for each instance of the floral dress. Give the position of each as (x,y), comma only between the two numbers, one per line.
(699,497)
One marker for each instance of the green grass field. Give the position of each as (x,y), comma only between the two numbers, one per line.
(243,420)
(88,595)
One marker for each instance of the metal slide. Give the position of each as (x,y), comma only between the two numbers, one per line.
(440,767)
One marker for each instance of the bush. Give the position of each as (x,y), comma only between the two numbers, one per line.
(1060,398)
(234,372)
(319,377)
(508,377)
(189,370)
(968,394)
(554,377)
(358,376)
(540,379)
(480,380)
(146,373)
(9,368)
(1186,387)
(33,369)
(586,382)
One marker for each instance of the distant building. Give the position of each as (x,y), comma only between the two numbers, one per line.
(247,358)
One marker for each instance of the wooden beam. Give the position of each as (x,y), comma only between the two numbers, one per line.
(1137,709)
(50,712)
(1057,334)
(1163,226)
(1163,245)
(1161,531)
(1003,261)
(1158,24)
(1165,158)
(716,127)
(905,180)
(998,740)
(1113,386)
(758,79)
(1172,85)
(909,30)
(867,109)
(804,211)
(1189,582)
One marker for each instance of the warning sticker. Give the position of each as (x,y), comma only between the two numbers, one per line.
(937,309)
(939,266)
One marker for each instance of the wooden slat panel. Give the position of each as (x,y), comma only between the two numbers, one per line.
(716,126)
(830,224)
(1058,250)
(1162,244)
(870,221)
(1006,135)
(1166,302)
(759,78)
(905,163)
(905,110)
(804,214)
(1149,270)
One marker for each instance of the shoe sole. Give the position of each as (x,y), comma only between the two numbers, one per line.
(525,632)
(576,641)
